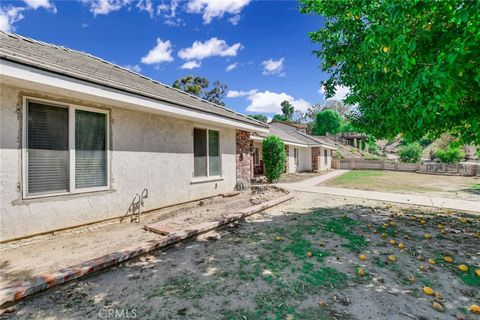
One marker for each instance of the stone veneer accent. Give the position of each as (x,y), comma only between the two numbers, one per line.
(315,159)
(286,158)
(244,157)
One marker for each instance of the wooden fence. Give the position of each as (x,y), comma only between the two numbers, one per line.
(432,168)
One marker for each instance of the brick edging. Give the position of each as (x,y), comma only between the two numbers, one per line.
(39,283)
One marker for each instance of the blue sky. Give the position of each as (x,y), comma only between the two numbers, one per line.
(263,43)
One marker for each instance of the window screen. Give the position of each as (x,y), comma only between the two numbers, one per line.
(47,148)
(213,153)
(200,152)
(325,156)
(90,149)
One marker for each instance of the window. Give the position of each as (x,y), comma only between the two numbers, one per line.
(65,149)
(295,155)
(325,156)
(256,156)
(206,142)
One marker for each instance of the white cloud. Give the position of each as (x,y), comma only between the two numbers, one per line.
(191,65)
(84,25)
(161,53)
(237,94)
(271,66)
(213,47)
(235,19)
(171,13)
(230,67)
(106,6)
(8,16)
(216,8)
(135,68)
(46,4)
(269,102)
(147,6)
(340,93)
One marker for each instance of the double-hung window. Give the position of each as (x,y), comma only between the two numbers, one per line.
(256,156)
(295,156)
(206,153)
(66,149)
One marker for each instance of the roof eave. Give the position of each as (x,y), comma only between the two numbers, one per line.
(35,76)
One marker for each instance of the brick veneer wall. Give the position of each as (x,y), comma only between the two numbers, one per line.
(286,158)
(244,157)
(315,159)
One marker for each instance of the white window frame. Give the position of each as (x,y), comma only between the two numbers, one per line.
(208,176)
(71,148)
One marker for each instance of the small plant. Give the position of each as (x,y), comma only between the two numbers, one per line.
(449,154)
(273,157)
(411,152)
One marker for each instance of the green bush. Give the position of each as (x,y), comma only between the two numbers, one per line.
(274,157)
(449,154)
(411,152)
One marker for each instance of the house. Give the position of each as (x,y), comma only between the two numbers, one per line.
(304,152)
(84,140)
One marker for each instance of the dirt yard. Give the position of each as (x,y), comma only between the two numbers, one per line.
(291,177)
(23,259)
(296,261)
(466,188)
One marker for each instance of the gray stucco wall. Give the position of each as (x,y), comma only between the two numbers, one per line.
(146,151)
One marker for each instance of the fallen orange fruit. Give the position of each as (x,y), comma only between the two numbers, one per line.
(463,268)
(427,236)
(477,272)
(401,246)
(279,238)
(411,279)
(438,295)
(361,272)
(448,259)
(437,306)
(423,268)
(431,261)
(474,308)
(423,221)
(428,290)
(362,257)
(310,254)
(392,242)
(392,258)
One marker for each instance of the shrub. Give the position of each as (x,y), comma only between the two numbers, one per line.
(411,152)
(424,142)
(449,154)
(274,157)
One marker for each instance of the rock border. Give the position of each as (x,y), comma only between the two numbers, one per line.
(36,284)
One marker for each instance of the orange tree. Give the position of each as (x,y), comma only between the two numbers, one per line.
(412,66)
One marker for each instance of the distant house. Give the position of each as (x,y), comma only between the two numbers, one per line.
(83,140)
(304,152)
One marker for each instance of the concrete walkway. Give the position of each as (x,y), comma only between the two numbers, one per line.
(311,185)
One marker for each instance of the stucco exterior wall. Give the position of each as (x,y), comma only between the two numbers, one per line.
(146,151)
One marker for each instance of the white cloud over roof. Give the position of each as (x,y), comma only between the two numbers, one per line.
(211,9)
(162,52)
(210,48)
(271,66)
